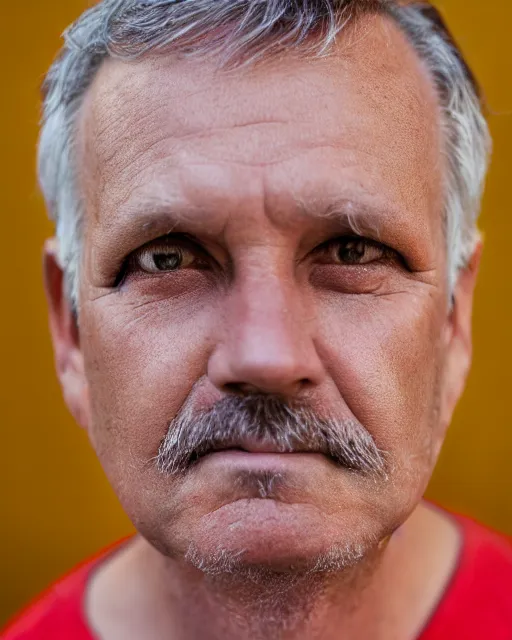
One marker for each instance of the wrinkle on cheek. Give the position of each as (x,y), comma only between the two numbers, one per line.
(384,362)
(138,327)
(140,371)
(129,348)
(174,308)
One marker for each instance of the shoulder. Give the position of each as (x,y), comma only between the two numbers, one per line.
(478,600)
(57,614)
(485,566)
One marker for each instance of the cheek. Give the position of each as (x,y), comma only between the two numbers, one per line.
(384,360)
(141,364)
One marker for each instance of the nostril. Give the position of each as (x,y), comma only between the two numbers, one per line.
(245,388)
(241,388)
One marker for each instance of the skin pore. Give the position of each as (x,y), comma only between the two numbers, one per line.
(273,229)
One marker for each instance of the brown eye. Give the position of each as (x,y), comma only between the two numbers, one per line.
(356,251)
(162,258)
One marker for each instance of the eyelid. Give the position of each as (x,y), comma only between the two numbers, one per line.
(163,243)
(388,252)
(183,241)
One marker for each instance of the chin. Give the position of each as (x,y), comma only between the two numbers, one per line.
(251,535)
(234,513)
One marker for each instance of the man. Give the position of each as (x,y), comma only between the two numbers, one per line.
(260,296)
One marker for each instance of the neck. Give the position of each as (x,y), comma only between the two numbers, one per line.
(264,604)
(377,597)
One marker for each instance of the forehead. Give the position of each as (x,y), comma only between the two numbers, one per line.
(363,119)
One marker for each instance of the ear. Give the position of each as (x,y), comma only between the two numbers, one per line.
(65,336)
(458,339)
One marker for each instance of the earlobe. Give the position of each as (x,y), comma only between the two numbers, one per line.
(65,336)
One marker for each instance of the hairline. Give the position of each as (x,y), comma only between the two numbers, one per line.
(375,8)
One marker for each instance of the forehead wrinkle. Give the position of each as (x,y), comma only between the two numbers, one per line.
(108,141)
(120,84)
(149,116)
(133,84)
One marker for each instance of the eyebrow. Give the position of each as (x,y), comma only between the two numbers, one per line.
(353,216)
(160,216)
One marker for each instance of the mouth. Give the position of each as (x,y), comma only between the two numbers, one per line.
(238,462)
(258,447)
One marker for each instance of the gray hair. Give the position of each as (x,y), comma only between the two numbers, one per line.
(242,31)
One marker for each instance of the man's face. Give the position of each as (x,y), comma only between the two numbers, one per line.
(220,260)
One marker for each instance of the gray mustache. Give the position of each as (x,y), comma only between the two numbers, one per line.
(270,421)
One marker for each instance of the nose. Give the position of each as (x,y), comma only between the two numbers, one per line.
(268,343)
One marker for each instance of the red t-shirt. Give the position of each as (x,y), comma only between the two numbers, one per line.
(477,604)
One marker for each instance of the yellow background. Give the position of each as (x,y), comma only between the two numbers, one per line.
(56,506)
